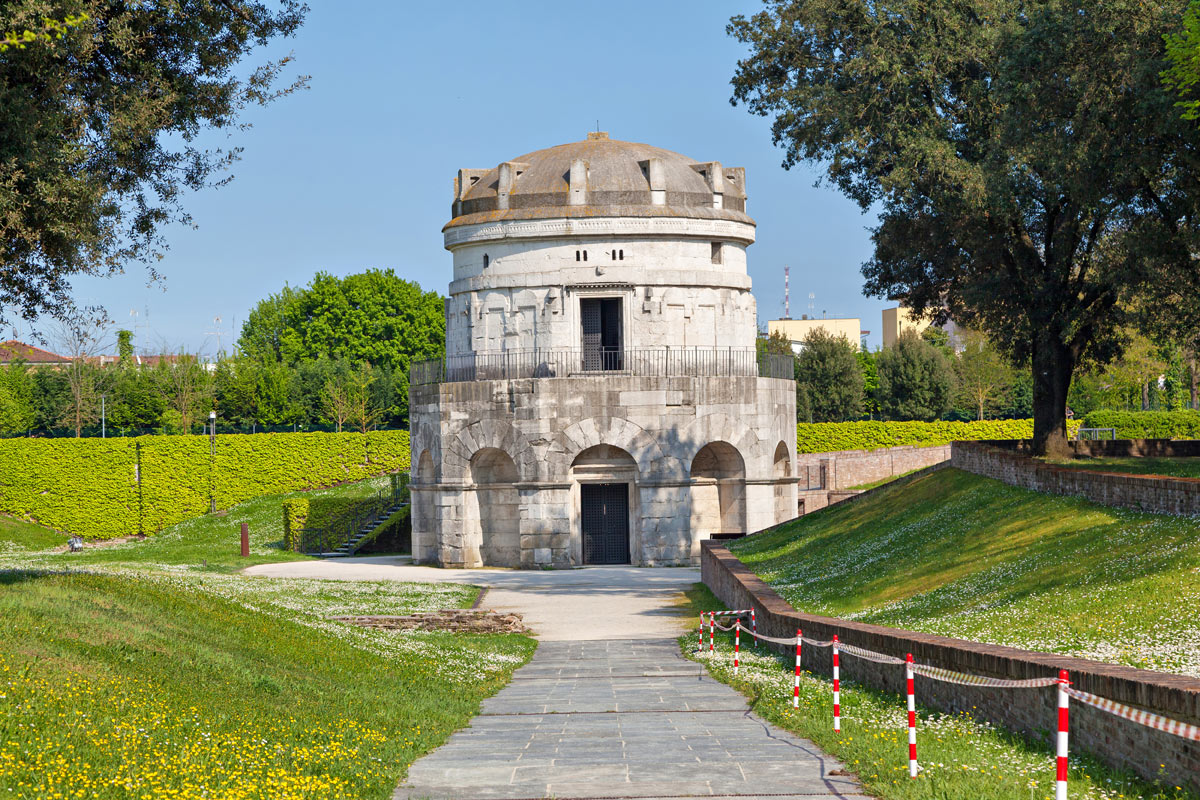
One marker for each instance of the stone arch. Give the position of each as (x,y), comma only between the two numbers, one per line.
(613,431)
(426,471)
(484,433)
(492,518)
(781,471)
(718,490)
(724,428)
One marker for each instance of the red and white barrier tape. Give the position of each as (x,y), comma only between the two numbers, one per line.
(1146,718)
(869,655)
(950,676)
(1160,723)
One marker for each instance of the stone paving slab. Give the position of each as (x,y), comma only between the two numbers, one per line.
(621,719)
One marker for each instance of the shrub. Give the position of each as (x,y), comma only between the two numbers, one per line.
(1147,424)
(100,488)
(832,436)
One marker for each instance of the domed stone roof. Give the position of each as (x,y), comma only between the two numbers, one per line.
(600,177)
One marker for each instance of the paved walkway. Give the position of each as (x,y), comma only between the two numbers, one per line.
(607,708)
(557,605)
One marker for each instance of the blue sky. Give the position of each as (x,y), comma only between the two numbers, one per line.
(356,171)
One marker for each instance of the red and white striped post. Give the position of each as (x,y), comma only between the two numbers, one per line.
(837,688)
(711,632)
(700,639)
(912,716)
(754,626)
(1060,786)
(796,685)
(737,643)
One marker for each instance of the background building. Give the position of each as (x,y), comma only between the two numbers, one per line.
(601,400)
(796,330)
(896,321)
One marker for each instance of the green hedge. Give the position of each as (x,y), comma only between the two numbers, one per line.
(827,437)
(1147,424)
(101,488)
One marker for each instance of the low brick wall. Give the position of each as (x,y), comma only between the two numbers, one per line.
(1030,711)
(1009,463)
(848,468)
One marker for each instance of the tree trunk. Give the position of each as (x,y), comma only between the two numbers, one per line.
(1053,365)
(1192,370)
(1146,396)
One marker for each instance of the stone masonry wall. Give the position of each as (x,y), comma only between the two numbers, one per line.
(1157,495)
(1031,711)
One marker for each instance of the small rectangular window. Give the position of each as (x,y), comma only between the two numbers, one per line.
(716,252)
(577,255)
(585,255)
(622,252)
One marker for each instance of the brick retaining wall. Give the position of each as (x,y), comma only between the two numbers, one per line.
(1006,461)
(1031,711)
(847,468)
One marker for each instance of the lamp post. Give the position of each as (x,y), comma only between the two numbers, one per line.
(212,452)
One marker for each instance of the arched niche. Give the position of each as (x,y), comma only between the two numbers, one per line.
(718,491)
(781,471)
(493,510)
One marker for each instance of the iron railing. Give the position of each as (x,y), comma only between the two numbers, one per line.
(642,362)
(349,522)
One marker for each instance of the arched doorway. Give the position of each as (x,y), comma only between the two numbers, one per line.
(495,515)
(603,480)
(718,491)
(782,471)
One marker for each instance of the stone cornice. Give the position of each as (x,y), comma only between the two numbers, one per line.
(658,227)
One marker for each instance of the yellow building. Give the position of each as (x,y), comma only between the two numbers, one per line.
(796,330)
(896,321)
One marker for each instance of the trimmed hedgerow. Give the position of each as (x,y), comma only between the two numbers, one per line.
(86,486)
(101,488)
(1147,424)
(828,437)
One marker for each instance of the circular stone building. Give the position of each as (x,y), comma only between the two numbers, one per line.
(601,401)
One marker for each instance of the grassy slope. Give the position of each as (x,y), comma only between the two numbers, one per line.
(17,534)
(1177,467)
(960,555)
(116,683)
(210,542)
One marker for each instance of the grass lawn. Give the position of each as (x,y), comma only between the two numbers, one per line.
(962,759)
(19,535)
(136,685)
(209,542)
(1174,467)
(956,554)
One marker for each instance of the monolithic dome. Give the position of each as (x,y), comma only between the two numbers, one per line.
(601,400)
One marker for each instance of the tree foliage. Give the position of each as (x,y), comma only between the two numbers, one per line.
(916,381)
(1032,171)
(98,132)
(828,369)
(983,376)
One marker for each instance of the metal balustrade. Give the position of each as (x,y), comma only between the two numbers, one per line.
(641,362)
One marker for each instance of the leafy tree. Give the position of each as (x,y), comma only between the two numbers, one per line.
(50,392)
(17,412)
(373,316)
(1183,62)
(186,387)
(915,380)
(134,401)
(866,365)
(983,376)
(1031,169)
(828,368)
(82,334)
(98,131)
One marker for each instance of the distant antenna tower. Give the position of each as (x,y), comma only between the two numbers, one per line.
(787,297)
(811,297)
(217,332)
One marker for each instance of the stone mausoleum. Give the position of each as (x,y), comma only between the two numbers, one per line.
(601,401)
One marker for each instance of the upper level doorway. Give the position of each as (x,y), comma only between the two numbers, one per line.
(602,338)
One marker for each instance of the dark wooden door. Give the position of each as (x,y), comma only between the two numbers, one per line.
(605,519)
